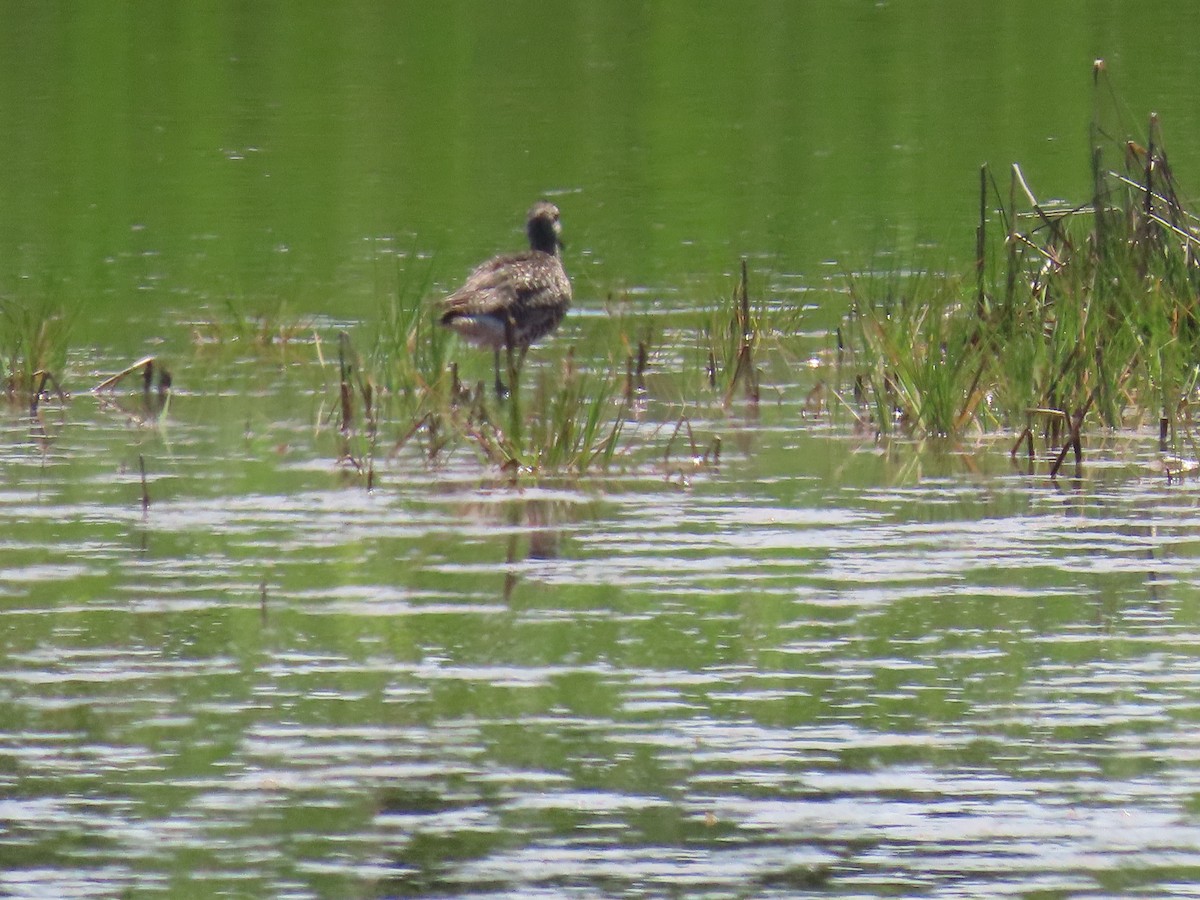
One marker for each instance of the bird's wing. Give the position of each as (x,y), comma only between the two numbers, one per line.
(498,284)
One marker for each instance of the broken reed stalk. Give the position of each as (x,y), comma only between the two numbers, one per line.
(416,426)
(671,441)
(635,373)
(743,304)
(345,391)
(974,394)
(744,369)
(36,398)
(1011,244)
(746,335)
(1026,435)
(146,364)
(1073,441)
(981,243)
(367,389)
(1075,422)
(715,450)
(1148,203)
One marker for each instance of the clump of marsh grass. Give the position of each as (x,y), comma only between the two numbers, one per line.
(408,390)
(732,331)
(918,358)
(265,327)
(571,422)
(33,350)
(410,354)
(563,422)
(356,413)
(1074,314)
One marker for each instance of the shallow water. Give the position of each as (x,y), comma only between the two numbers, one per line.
(821,667)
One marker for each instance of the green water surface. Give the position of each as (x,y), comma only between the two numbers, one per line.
(823,667)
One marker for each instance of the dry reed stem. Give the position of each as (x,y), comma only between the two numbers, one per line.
(980,245)
(36,398)
(344,390)
(1073,441)
(146,363)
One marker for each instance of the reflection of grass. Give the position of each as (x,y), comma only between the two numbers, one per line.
(33,348)
(1081,312)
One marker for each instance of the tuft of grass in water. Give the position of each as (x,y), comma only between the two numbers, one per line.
(410,353)
(570,422)
(33,349)
(742,337)
(564,422)
(918,359)
(266,327)
(356,413)
(1076,313)
(732,332)
(407,391)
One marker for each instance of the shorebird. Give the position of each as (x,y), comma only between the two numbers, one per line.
(510,301)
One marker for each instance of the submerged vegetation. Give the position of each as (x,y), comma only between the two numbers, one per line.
(1072,314)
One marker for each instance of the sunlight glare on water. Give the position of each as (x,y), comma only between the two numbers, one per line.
(972,682)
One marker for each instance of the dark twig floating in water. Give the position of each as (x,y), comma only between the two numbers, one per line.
(511,301)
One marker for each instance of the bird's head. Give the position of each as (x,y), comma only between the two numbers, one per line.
(544,228)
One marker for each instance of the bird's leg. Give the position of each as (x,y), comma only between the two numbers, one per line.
(509,337)
(513,373)
(501,390)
